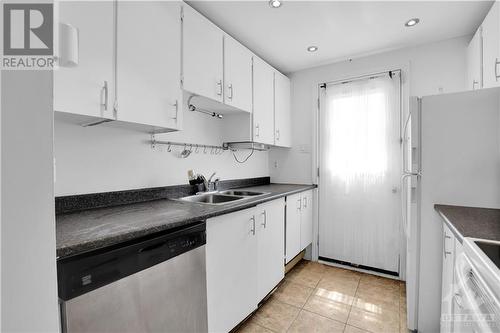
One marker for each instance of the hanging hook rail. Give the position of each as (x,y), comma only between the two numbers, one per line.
(214,149)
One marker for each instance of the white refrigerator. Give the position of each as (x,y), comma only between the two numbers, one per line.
(451,156)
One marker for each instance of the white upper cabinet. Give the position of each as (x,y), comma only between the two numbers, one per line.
(237,75)
(149,63)
(475,62)
(282,112)
(263,102)
(86,87)
(491,47)
(202,54)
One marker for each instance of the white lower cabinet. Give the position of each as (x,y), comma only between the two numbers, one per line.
(299,223)
(244,255)
(447,291)
(270,245)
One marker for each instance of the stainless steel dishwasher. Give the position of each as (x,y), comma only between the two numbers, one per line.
(156,284)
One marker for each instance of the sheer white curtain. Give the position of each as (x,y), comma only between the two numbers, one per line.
(360,167)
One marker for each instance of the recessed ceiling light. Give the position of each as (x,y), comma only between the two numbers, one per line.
(312,48)
(274,3)
(412,22)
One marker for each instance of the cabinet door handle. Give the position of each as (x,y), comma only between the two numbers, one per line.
(219,88)
(278,134)
(104,93)
(230,91)
(257,130)
(265,219)
(474,84)
(458,299)
(496,68)
(305,202)
(300,204)
(444,244)
(176,105)
(253,225)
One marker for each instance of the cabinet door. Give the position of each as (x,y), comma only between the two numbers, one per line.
(306,220)
(231,254)
(263,102)
(237,75)
(292,240)
(87,88)
(202,55)
(149,63)
(474,61)
(447,279)
(271,245)
(282,112)
(491,45)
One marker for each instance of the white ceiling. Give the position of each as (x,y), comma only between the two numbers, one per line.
(341,29)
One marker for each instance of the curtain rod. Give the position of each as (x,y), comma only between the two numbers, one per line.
(362,77)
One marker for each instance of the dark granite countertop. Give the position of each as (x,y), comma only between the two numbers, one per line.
(87,230)
(474,222)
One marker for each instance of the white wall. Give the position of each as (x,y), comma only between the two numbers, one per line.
(29,283)
(109,158)
(428,69)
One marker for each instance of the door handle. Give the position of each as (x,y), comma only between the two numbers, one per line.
(104,93)
(257,128)
(219,88)
(176,105)
(305,202)
(230,91)
(496,68)
(278,134)
(300,204)
(265,219)
(253,225)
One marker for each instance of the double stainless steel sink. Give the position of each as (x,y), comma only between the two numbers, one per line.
(222,197)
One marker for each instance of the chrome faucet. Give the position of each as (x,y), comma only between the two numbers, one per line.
(209,184)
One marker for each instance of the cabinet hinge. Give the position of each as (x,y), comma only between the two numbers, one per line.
(182,81)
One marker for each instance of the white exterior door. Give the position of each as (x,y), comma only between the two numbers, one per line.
(360,172)
(237,75)
(270,245)
(231,254)
(293,207)
(202,56)
(88,87)
(149,63)
(282,111)
(263,102)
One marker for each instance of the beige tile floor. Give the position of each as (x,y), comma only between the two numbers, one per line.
(320,298)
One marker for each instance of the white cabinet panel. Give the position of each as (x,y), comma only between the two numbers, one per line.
(293,207)
(149,63)
(271,245)
(231,269)
(237,75)
(263,102)
(306,220)
(491,47)
(282,111)
(475,61)
(87,89)
(447,279)
(202,56)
